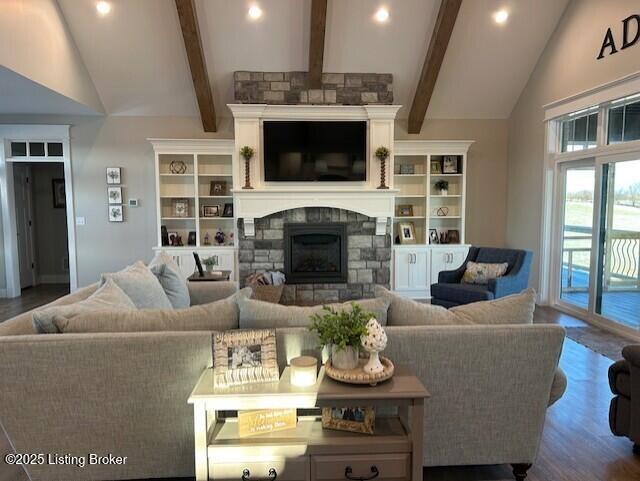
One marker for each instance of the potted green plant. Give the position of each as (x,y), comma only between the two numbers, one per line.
(247,154)
(210,263)
(442,186)
(341,330)
(382,154)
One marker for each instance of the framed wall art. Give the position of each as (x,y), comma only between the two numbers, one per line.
(115,195)
(114,175)
(245,357)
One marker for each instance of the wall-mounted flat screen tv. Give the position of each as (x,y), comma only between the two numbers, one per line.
(315,151)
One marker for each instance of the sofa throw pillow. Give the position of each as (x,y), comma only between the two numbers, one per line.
(265,315)
(108,296)
(139,283)
(220,315)
(480,273)
(407,312)
(513,309)
(171,279)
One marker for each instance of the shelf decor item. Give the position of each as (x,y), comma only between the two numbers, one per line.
(382,154)
(405,210)
(352,419)
(219,237)
(177,167)
(191,239)
(217,188)
(342,331)
(304,370)
(450,164)
(407,233)
(374,341)
(245,357)
(210,263)
(453,236)
(407,169)
(442,186)
(207,239)
(181,208)
(436,167)
(433,236)
(228,210)
(210,211)
(247,153)
(113,175)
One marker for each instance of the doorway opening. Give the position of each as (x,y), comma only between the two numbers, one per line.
(41,224)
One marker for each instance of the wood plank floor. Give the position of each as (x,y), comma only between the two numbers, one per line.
(576,445)
(31,298)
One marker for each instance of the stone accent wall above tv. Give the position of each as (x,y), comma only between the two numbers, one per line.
(291,88)
(368,261)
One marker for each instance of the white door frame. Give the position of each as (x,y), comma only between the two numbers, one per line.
(52,133)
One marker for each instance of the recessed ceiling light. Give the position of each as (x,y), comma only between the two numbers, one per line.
(501,16)
(255,12)
(382,15)
(103,8)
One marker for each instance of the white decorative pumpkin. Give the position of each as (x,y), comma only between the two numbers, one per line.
(374,341)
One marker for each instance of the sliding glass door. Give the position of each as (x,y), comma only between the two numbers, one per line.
(617,290)
(577,203)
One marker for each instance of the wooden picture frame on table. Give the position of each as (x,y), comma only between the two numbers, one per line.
(245,357)
(353,419)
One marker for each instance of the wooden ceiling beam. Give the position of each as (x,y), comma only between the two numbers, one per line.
(193,45)
(440,37)
(316,42)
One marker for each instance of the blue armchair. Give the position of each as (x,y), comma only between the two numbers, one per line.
(450,292)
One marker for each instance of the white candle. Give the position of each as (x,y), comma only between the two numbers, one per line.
(304,371)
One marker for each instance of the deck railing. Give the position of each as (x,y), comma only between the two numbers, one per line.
(622,258)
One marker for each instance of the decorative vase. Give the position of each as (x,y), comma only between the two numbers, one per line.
(374,341)
(346,358)
(444,192)
(383,173)
(247,173)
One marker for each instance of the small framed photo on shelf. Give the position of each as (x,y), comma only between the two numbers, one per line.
(113,175)
(191,239)
(181,208)
(436,167)
(352,419)
(453,236)
(407,233)
(218,187)
(115,195)
(59,195)
(173,238)
(450,164)
(210,211)
(433,236)
(245,357)
(407,169)
(405,210)
(228,210)
(116,213)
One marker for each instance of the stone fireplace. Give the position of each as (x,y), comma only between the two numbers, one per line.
(315,253)
(333,254)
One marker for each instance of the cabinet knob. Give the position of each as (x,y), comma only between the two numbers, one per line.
(348,474)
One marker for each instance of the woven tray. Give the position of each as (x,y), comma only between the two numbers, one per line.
(357,375)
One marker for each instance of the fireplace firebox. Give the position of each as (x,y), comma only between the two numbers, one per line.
(315,253)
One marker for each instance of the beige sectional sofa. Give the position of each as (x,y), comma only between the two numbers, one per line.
(126,394)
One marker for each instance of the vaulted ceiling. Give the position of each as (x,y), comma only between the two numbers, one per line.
(136,59)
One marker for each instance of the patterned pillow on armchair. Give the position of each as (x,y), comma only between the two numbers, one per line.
(481,273)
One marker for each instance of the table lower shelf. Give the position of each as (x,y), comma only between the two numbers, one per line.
(308,438)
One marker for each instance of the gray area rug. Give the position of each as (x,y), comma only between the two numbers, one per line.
(598,340)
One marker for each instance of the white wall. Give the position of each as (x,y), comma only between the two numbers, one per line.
(36,43)
(567,66)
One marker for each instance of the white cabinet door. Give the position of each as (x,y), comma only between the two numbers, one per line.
(420,270)
(447,259)
(402,269)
